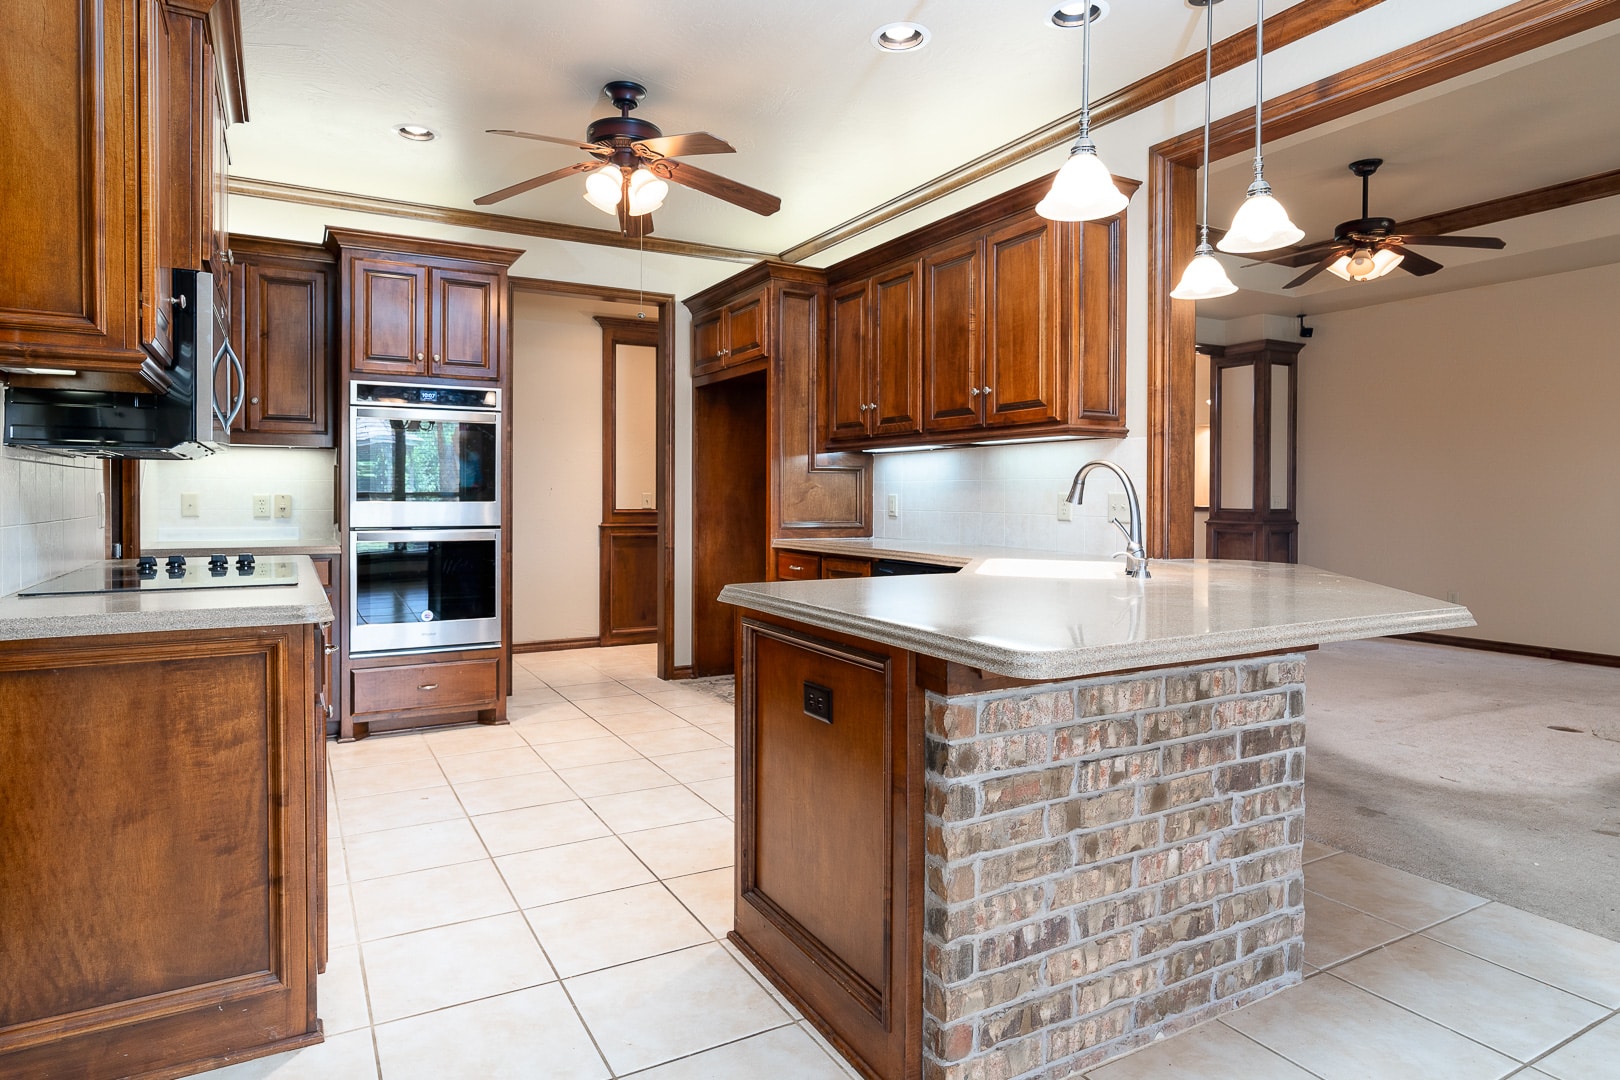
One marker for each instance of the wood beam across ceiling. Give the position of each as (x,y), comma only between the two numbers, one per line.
(1283,28)
(1552,197)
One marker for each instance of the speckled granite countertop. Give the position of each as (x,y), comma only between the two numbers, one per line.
(1045,618)
(32,617)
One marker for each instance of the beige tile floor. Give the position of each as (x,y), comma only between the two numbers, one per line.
(550,899)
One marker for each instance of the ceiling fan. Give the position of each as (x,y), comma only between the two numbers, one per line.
(1370,247)
(633,161)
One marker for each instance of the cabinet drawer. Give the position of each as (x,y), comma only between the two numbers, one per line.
(838,566)
(323,570)
(458,684)
(796,566)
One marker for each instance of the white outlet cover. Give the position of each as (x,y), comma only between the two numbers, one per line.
(1065,510)
(894,505)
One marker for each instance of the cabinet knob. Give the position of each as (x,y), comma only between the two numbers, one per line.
(255,401)
(863,407)
(435,358)
(973,391)
(873,406)
(987,391)
(419,356)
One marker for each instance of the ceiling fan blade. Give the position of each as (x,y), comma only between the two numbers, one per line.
(589,148)
(1302,256)
(1313,271)
(1492,242)
(693,142)
(1412,262)
(709,183)
(534,182)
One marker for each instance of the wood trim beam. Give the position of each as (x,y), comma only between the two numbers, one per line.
(476,219)
(1543,652)
(1552,197)
(1172,170)
(1284,28)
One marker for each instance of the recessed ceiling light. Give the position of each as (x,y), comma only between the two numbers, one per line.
(900,37)
(1070,14)
(416,132)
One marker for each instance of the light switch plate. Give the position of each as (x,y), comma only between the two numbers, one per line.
(1119,508)
(646,500)
(261,506)
(188,504)
(894,506)
(1065,510)
(283,506)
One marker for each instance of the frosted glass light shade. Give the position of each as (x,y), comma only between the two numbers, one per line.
(602,188)
(647,192)
(1261,224)
(1204,279)
(1362,265)
(1082,190)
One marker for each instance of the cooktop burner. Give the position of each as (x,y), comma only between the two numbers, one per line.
(165,573)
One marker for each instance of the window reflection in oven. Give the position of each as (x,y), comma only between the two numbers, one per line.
(410,460)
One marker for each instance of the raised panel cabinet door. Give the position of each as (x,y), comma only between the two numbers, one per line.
(745,329)
(69,280)
(848,389)
(952,347)
(287,362)
(1022,323)
(387,318)
(465,324)
(897,351)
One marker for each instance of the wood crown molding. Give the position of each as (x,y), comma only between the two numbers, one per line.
(476,219)
(391,243)
(1283,28)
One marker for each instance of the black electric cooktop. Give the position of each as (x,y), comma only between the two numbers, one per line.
(162,573)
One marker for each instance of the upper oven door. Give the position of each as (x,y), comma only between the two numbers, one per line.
(417,468)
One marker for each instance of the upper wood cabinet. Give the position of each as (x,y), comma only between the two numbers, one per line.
(993,323)
(111,184)
(283,330)
(731,334)
(421,308)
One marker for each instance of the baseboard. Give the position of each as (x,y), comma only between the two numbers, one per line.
(682,672)
(555,645)
(1540,652)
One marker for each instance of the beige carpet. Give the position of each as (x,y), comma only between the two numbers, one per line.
(1497,774)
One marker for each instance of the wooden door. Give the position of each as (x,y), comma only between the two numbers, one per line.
(848,388)
(745,329)
(286,357)
(387,318)
(952,348)
(628,586)
(1022,323)
(896,380)
(465,324)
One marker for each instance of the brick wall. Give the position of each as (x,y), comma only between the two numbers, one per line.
(1109,859)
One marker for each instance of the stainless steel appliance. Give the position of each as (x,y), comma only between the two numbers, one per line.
(158,573)
(187,422)
(424,455)
(424,589)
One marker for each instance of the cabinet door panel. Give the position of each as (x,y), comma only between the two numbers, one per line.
(388,318)
(745,329)
(466,324)
(286,359)
(897,351)
(847,387)
(1022,328)
(706,335)
(951,344)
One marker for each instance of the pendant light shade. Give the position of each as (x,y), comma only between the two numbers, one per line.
(647,192)
(1205,278)
(1083,189)
(1261,223)
(603,188)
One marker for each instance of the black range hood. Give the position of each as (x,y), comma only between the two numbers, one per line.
(184,423)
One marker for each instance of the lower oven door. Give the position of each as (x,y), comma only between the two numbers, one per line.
(424,589)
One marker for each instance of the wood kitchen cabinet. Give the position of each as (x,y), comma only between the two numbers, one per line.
(283,329)
(805,566)
(731,334)
(113,182)
(992,323)
(417,308)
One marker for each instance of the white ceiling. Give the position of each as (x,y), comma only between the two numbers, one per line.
(818,115)
(1537,120)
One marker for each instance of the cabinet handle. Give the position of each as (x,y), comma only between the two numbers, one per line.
(435,358)
(973,391)
(428,686)
(795,569)
(725,352)
(863,406)
(873,406)
(420,357)
(177,301)
(987,391)
(330,649)
(255,400)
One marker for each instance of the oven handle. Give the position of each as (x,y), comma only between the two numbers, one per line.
(457,416)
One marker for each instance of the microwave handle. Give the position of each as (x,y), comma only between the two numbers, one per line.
(213,374)
(241,382)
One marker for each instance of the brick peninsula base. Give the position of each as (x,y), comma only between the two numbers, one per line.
(1108,859)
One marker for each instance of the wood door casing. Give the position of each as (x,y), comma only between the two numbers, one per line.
(730,509)
(1022,327)
(953,349)
(464,324)
(388,318)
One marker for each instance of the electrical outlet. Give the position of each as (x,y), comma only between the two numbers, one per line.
(646,500)
(188,504)
(283,506)
(261,506)
(1065,510)
(818,702)
(894,506)
(1119,508)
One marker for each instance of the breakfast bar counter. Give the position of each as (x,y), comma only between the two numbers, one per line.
(1018,820)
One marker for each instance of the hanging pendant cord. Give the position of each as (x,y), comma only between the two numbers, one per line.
(1085,75)
(1259,79)
(1209,49)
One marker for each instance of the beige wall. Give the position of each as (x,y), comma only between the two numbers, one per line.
(1466,443)
(556,464)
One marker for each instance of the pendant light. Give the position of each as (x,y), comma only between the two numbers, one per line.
(1261,223)
(1083,189)
(1205,278)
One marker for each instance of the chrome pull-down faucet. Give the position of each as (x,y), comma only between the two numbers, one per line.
(1136,562)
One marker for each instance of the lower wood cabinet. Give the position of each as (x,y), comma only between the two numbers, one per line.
(159,859)
(418,690)
(797,566)
(628,584)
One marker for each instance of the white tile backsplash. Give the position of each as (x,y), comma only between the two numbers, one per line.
(225,484)
(1005,496)
(50,516)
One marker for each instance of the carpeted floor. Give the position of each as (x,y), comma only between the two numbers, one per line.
(1497,774)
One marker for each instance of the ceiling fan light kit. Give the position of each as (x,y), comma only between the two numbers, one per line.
(1261,223)
(1205,278)
(1083,189)
(602,188)
(1365,264)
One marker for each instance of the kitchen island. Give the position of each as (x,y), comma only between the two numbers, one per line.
(162,828)
(1018,820)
